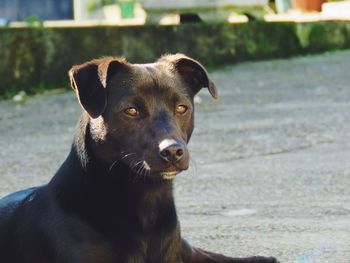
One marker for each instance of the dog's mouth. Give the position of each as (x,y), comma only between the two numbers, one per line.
(169,175)
(142,169)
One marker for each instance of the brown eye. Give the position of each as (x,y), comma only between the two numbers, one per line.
(132,112)
(181,109)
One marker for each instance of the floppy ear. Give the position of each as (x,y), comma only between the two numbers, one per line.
(89,81)
(194,74)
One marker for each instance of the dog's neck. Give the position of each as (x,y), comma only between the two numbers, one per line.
(85,184)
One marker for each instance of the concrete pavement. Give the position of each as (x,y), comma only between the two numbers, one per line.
(270,170)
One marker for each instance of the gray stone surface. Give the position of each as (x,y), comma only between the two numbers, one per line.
(270,171)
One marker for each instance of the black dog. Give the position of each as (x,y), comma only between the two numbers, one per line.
(111,201)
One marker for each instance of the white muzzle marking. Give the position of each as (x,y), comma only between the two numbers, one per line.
(166,143)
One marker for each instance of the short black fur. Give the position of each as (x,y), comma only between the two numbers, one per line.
(111,201)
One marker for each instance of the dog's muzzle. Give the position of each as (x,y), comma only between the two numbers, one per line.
(171,151)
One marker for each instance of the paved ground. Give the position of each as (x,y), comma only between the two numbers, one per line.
(270,170)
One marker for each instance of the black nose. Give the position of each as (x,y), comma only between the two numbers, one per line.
(172,153)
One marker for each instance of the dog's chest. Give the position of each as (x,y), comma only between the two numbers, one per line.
(150,236)
(163,249)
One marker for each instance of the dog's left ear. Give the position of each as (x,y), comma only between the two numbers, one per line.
(89,81)
(194,74)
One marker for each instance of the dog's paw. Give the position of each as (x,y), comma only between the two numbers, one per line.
(259,259)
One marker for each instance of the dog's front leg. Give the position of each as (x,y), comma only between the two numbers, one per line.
(191,254)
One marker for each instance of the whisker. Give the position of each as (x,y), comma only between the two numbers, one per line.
(124,157)
(144,170)
(127,155)
(193,165)
(119,160)
(136,171)
(140,170)
(140,167)
(132,165)
(112,165)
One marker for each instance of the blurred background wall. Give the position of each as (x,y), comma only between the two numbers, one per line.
(19,10)
(41,39)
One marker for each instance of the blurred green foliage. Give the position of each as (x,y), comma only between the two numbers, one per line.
(34,21)
(41,57)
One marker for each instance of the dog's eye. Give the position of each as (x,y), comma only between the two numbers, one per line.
(133,112)
(181,109)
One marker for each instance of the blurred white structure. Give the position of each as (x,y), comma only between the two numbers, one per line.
(210,10)
(197,4)
(336,10)
(110,14)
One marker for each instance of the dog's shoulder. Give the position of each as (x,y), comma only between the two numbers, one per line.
(10,203)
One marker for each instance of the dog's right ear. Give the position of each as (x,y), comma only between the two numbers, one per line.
(89,81)
(192,72)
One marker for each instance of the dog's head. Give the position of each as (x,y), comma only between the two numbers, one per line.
(141,114)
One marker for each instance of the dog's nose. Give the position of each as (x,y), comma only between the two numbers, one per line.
(171,151)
